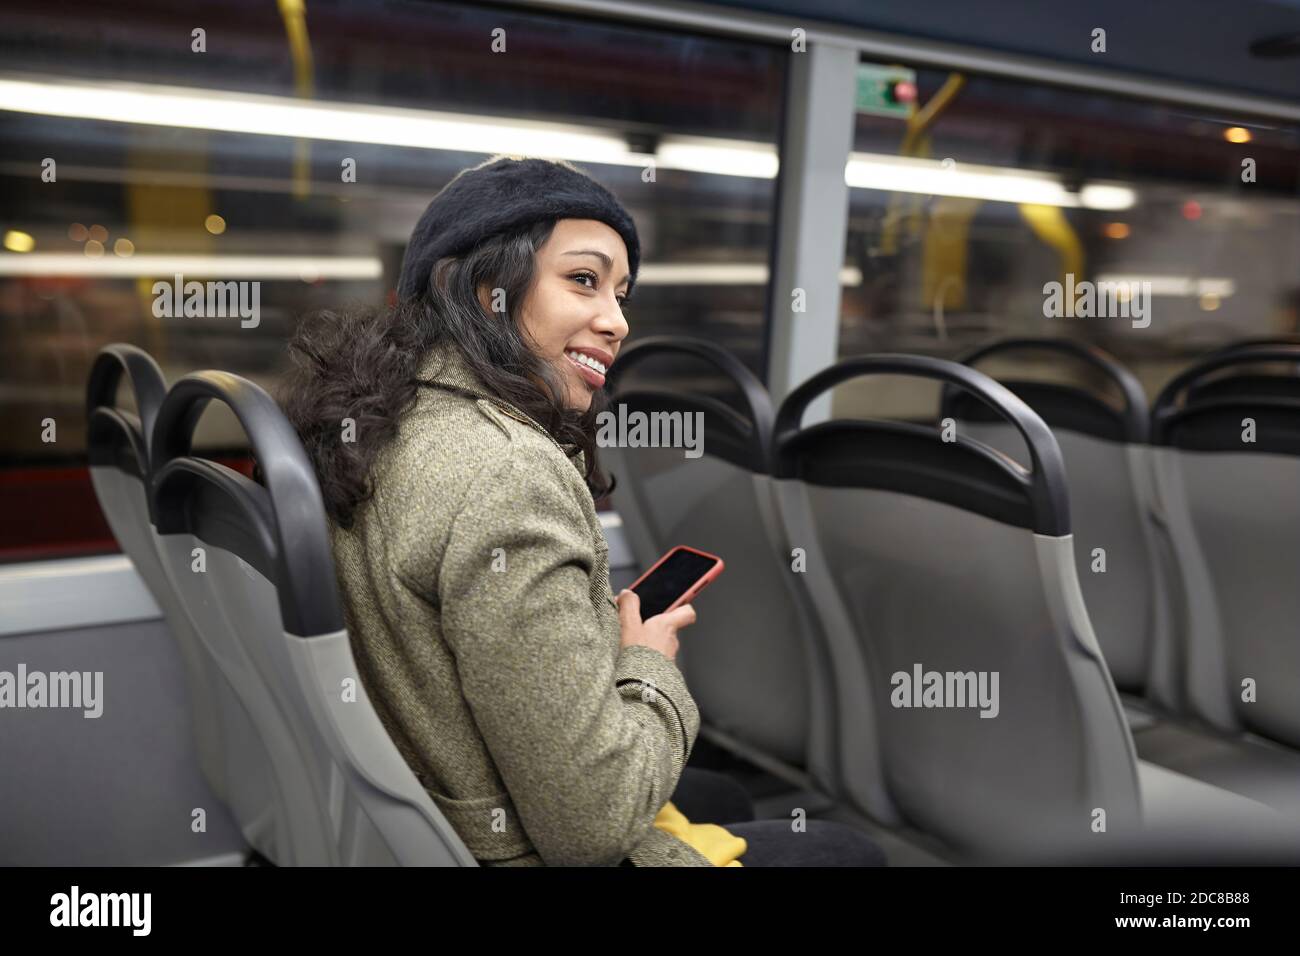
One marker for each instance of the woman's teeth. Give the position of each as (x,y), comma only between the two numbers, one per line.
(587,360)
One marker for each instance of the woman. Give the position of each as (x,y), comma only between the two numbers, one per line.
(454,439)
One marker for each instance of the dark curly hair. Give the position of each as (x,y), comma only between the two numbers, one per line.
(361,364)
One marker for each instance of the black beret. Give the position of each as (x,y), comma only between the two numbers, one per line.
(504,193)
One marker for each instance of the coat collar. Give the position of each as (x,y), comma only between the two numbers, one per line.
(446,368)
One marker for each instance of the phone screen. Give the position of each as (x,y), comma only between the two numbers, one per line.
(670,581)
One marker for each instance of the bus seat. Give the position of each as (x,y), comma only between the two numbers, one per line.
(1231,381)
(931,557)
(117,447)
(1107,462)
(1252,767)
(1233,510)
(331,788)
(752,659)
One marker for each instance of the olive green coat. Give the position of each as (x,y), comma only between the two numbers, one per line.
(476,585)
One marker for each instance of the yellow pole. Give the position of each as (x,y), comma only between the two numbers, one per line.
(294,14)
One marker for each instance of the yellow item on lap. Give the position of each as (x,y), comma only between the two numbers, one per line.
(720,847)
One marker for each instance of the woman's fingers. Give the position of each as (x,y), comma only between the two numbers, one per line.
(629,608)
(680,617)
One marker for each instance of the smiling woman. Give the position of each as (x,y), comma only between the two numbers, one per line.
(547,720)
(474,257)
(576,317)
(465,507)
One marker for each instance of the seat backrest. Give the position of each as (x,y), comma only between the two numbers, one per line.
(752,659)
(1282,340)
(1227,456)
(1236,383)
(117,447)
(941,567)
(1107,462)
(254,567)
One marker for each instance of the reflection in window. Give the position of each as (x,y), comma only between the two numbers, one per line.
(956,226)
(169,161)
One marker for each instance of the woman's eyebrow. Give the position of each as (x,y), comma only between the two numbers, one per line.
(599,255)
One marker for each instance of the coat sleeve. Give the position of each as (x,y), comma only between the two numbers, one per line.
(589,741)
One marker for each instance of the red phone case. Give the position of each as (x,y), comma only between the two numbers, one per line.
(704,581)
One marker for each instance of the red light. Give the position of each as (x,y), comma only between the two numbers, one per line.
(1191,210)
(904,92)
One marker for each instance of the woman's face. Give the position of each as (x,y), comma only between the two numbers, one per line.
(573,315)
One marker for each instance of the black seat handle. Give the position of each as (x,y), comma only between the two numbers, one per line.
(756,396)
(144,375)
(1136,418)
(1166,404)
(304,561)
(1271,341)
(1046,483)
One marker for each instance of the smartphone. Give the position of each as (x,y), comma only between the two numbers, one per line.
(675,579)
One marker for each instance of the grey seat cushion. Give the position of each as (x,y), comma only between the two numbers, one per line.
(1254,768)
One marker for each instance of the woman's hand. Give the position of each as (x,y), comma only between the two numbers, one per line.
(659,632)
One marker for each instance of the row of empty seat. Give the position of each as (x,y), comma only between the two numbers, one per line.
(1196,507)
(243,572)
(860,550)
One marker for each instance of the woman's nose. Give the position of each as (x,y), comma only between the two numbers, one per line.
(611,322)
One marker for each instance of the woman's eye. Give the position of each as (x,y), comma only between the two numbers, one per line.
(586,275)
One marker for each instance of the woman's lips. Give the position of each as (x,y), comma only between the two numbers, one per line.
(589,374)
